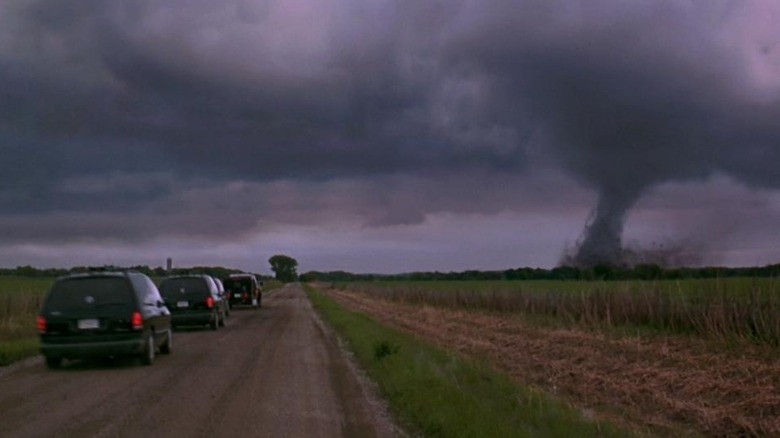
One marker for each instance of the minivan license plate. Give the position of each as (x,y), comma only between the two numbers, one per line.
(183,304)
(87,324)
(237,296)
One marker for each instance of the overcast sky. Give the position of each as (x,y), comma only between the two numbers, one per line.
(387,136)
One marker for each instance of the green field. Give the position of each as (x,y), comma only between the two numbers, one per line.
(732,308)
(20,299)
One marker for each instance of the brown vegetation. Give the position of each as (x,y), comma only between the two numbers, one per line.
(18,306)
(741,308)
(667,384)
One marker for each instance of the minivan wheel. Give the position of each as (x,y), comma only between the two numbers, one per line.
(53,362)
(147,357)
(168,345)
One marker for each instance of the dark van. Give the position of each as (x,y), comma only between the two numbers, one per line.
(243,290)
(103,314)
(194,300)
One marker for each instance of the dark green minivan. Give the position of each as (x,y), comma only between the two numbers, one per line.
(194,300)
(104,314)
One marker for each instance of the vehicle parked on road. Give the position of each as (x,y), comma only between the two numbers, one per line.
(243,290)
(221,291)
(193,300)
(103,314)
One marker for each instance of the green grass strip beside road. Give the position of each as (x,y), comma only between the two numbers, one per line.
(17,349)
(439,394)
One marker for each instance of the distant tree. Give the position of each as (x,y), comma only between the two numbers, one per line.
(603,272)
(565,273)
(647,271)
(285,268)
(309,277)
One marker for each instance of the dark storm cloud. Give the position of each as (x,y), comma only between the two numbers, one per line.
(145,75)
(630,101)
(621,96)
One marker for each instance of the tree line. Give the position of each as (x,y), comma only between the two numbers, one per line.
(285,270)
(283,266)
(599,272)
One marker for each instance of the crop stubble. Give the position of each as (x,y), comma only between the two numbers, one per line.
(667,384)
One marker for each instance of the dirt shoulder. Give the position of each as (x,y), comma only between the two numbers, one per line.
(670,384)
(276,371)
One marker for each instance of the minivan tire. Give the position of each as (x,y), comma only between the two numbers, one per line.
(168,345)
(53,362)
(147,357)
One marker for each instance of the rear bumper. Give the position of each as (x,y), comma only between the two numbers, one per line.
(93,349)
(243,301)
(200,318)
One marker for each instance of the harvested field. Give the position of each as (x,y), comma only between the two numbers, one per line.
(670,385)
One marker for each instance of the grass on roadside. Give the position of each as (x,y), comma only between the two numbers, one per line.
(272,284)
(12,351)
(437,393)
(20,299)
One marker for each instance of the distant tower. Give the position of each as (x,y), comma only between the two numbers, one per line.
(168,264)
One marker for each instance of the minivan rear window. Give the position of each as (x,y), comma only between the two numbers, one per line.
(238,284)
(90,292)
(192,288)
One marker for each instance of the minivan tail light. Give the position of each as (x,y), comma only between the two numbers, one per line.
(40,324)
(136,321)
(210,302)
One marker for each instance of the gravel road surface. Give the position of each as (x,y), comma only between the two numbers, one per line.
(273,372)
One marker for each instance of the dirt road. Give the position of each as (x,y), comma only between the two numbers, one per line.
(273,372)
